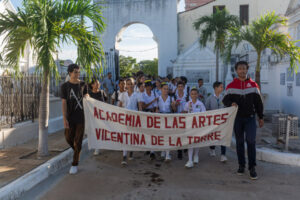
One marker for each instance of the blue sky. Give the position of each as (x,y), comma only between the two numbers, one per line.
(137,41)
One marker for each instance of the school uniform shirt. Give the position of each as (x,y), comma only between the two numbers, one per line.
(165,106)
(133,101)
(136,89)
(182,101)
(157,92)
(147,99)
(124,98)
(202,93)
(213,102)
(114,97)
(172,87)
(196,107)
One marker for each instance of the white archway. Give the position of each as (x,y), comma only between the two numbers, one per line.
(159,15)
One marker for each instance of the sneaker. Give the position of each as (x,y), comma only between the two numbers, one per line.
(212,152)
(241,170)
(152,156)
(96,152)
(189,164)
(179,155)
(73,170)
(253,174)
(196,159)
(124,161)
(223,158)
(163,154)
(130,156)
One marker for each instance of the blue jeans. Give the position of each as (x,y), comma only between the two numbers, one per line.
(245,127)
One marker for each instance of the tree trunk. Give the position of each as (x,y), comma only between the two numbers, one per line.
(257,70)
(44,116)
(217,65)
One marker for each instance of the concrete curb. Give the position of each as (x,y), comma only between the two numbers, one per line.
(26,182)
(273,156)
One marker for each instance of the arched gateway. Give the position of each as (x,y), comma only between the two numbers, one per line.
(159,15)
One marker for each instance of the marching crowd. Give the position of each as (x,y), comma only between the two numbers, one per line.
(167,95)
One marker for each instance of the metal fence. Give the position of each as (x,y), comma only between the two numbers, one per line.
(19,99)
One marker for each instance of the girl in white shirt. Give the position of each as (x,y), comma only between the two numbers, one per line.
(181,98)
(166,104)
(150,100)
(193,106)
(124,102)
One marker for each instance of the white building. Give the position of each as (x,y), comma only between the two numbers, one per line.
(282,87)
(27,61)
(193,60)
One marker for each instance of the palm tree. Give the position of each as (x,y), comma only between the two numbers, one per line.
(261,34)
(45,25)
(215,29)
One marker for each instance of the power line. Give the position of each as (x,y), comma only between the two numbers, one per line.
(124,50)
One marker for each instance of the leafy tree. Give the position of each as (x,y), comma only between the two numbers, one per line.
(261,34)
(214,28)
(149,67)
(127,66)
(45,25)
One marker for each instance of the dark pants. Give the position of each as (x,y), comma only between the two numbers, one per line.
(223,149)
(74,136)
(245,127)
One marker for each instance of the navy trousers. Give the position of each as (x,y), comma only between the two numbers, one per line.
(245,128)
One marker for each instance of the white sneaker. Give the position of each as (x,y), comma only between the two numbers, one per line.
(124,161)
(196,159)
(163,154)
(130,158)
(189,164)
(212,152)
(96,152)
(223,158)
(73,170)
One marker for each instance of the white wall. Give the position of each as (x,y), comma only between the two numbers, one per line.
(187,35)
(159,15)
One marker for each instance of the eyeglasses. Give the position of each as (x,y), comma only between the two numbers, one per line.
(76,72)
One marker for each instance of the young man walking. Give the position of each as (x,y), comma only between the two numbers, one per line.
(244,93)
(72,93)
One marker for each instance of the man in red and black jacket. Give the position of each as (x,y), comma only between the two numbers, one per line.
(244,93)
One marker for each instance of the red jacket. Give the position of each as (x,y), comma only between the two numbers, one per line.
(246,95)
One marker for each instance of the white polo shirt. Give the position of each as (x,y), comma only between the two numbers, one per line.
(182,101)
(147,99)
(124,98)
(133,101)
(195,107)
(165,106)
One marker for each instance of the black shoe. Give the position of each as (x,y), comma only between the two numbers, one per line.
(152,156)
(179,155)
(241,170)
(147,152)
(253,174)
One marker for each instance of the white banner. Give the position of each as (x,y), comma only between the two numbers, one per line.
(115,128)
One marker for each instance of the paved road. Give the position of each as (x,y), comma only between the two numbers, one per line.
(102,177)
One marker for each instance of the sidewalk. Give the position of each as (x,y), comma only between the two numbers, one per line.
(19,160)
(265,139)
